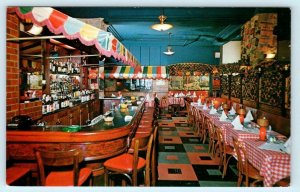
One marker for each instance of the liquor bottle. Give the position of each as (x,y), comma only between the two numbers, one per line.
(44,106)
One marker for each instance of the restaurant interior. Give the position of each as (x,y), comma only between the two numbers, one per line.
(148,96)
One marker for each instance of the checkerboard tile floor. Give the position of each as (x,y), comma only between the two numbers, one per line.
(184,161)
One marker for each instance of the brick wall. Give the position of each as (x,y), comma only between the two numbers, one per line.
(12,68)
(33,109)
(13,107)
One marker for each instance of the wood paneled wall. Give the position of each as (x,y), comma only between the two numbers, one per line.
(266,88)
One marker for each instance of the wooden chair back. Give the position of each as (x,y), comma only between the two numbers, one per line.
(58,158)
(221,140)
(135,162)
(242,160)
(148,161)
(154,158)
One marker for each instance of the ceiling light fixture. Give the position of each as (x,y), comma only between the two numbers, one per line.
(169,48)
(162,26)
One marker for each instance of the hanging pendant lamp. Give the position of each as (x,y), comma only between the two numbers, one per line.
(162,26)
(169,48)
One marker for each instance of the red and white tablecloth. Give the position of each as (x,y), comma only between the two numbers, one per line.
(172,100)
(176,100)
(272,165)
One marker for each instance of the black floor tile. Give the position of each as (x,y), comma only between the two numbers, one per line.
(167,129)
(171,148)
(174,171)
(190,140)
(178,184)
(181,124)
(205,158)
(212,173)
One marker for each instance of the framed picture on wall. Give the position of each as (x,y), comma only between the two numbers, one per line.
(189,83)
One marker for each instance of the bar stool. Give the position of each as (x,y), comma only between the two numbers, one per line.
(16,175)
(128,165)
(59,161)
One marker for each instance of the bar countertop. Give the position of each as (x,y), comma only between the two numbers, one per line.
(98,141)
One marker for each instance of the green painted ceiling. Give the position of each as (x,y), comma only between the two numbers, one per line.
(192,26)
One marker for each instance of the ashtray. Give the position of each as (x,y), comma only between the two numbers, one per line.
(72,128)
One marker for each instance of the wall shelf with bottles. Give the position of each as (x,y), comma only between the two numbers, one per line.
(65,77)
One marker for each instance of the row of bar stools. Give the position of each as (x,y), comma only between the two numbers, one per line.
(132,162)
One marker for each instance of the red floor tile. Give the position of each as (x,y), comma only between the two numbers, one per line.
(187,172)
(196,160)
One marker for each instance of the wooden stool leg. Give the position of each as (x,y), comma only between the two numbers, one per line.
(124,183)
(105,177)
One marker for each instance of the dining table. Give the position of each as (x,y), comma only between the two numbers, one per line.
(171,101)
(272,165)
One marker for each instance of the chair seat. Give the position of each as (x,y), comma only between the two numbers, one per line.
(65,178)
(254,173)
(15,173)
(123,163)
(229,150)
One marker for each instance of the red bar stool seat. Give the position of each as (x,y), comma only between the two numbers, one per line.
(123,163)
(129,165)
(15,174)
(65,178)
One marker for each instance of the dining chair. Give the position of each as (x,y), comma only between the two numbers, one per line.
(189,112)
(212,137)
(60,167)
(205,129)
(285,182)
(226,152)
(128,165)
(244,167)
(201,126)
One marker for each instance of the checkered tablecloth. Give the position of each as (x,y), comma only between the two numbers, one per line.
(227,128)
(178,100)
(272,165)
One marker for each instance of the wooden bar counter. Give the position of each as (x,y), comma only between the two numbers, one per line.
(98,141)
